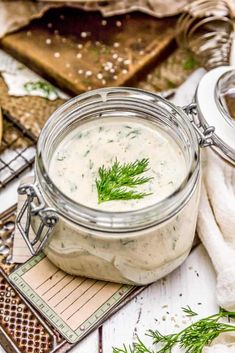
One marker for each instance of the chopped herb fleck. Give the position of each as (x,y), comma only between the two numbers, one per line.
(79,136)
(91,164)
(86,153)
(61,155)
(73,187)
(132,134)
(46,88)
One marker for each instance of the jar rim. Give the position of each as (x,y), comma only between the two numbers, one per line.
(122,220)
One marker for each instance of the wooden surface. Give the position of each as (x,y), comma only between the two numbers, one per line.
(192,284)
(80,51)
(159,306)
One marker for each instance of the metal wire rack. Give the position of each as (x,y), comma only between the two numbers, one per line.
(17,149)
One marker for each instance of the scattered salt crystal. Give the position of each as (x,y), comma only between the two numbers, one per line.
(104,22)
(56,31)
(88,73)
(116,45)
(49,25)
(115,77)
(80,46)
(48,41)
(103,82)
(80,72)
(99,76)
(83,34)
(126,62)
(56,55)
(124,71)
(120,59)
(79,55)
(64,40)
(68,65)
(108,66)
(115,56)
(118,23)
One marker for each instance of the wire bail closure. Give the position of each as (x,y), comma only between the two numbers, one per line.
(205,134)
(34,205)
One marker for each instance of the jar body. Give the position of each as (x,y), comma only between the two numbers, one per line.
(138,258)
(134,247)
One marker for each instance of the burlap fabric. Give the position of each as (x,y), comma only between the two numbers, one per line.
(18,13)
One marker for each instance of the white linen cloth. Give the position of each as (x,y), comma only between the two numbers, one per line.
(216,219)
(216,229)
(216,224)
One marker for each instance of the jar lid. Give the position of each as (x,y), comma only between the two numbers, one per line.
(215,98)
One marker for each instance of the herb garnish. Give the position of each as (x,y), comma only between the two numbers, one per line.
(46,88)
(190,63)
(192,339)
(114,183)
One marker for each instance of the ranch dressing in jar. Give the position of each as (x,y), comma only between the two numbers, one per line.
(92,155)
(76,161)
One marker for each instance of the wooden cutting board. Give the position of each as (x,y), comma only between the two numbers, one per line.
(79,51)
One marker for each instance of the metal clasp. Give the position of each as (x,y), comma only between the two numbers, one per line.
(205,133)
(34,205)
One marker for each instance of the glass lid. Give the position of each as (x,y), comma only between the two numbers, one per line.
(225,95)
(215,98)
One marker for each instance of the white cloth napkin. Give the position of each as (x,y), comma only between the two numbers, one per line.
(216,229)
(216,224)
(224,343)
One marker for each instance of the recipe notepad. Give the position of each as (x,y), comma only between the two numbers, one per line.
(20,250)
(73,305)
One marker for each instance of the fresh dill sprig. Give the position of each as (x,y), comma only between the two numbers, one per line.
(188,311)
(116,182)
(137,347)
(192,339)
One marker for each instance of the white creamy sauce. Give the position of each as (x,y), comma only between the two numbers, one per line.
(77,159)
(137,257)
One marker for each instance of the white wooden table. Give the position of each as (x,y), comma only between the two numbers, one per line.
(159,305)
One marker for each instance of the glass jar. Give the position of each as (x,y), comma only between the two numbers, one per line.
(135,247)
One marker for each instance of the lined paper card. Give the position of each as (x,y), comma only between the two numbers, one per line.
(20,251)
(73,305)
